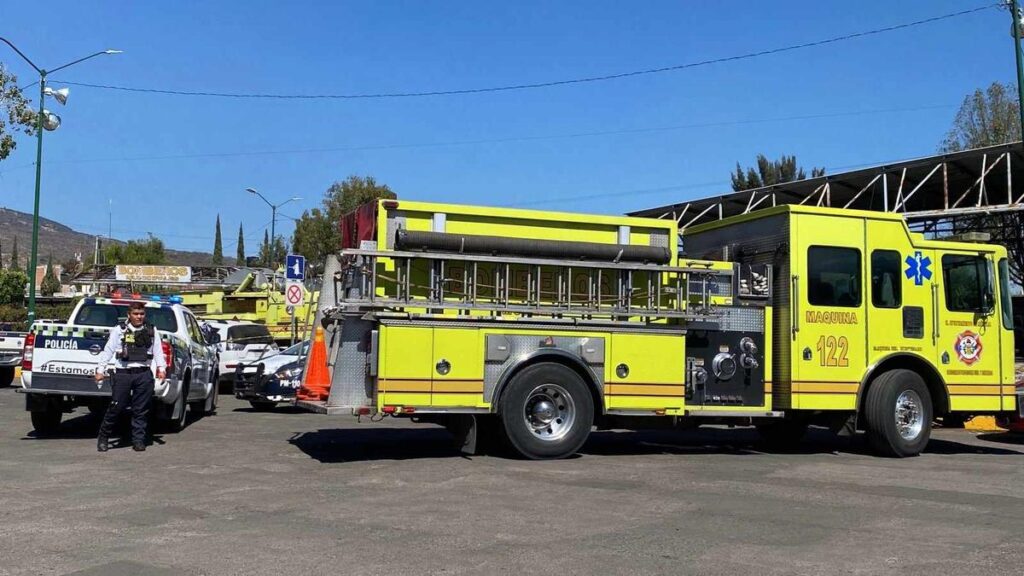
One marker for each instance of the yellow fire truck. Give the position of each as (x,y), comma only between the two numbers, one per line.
(535,327)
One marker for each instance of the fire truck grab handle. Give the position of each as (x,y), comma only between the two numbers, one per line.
(935,313)
(795,300)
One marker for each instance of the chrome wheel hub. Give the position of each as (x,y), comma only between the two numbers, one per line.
(909,415)
(549,412)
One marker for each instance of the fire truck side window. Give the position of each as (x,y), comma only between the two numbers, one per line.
(833,276)
(966,282)
(886,282)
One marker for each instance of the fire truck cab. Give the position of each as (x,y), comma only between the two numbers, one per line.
(536,326)
(872,319)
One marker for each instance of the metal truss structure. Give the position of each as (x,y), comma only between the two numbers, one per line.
(939,195)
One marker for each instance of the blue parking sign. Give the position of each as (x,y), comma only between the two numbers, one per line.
(295,267)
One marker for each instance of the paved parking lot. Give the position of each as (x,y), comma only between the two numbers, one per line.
(294,493)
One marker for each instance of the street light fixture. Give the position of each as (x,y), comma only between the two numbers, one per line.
(45,121)
(273,217)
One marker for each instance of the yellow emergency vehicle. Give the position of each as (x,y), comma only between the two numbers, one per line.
(536,326)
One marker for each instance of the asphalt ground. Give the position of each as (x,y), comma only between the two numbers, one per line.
(289,492)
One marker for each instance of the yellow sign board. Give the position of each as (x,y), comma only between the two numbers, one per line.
(153,274)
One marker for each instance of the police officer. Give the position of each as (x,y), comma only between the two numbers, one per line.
(136,346)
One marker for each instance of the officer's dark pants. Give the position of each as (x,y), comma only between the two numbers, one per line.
(135,386)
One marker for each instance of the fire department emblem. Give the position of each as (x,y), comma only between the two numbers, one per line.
(968,347)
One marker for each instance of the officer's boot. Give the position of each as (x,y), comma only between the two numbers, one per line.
(102,444)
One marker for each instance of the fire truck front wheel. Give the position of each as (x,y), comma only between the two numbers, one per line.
(546,412)
(898,411)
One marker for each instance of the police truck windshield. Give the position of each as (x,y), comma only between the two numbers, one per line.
(109,315)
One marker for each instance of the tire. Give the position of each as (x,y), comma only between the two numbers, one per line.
(210,406)
(262,406)
(98,409)
(783,434)
(46,422)
(546,412)
(6,376)
(175,425)
(898,414)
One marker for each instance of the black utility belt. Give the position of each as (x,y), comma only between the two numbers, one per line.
(135,370)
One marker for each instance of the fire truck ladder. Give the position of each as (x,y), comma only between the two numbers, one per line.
(529,288)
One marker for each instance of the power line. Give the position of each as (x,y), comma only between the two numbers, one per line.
(505,140)
(537,85)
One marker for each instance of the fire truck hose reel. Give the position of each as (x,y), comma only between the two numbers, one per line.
(528,247)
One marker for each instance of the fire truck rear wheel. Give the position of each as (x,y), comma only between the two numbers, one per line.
(546,412)
(898,411)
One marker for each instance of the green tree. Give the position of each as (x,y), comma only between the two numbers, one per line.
(12,286)
(50,284)
(15,108)
(144,251)
(218,249)
(271,256)
(769,172)
(14,254)
(990,118)
(240,254)
(318,231)
(985,118)
(71,266)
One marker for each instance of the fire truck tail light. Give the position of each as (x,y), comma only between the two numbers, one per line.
(168,356)
(26,353)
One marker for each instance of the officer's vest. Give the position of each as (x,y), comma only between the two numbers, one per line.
(136,345)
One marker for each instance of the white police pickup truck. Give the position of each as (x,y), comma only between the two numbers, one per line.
(60,361)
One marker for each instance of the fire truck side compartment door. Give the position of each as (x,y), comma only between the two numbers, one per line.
(406,365)
(458,368)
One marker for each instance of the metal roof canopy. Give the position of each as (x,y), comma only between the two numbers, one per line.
(924,190)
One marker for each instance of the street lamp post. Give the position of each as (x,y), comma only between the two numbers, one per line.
(47,121)
(273,218)
(1016,31)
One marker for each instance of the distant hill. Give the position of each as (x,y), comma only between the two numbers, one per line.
(64,243)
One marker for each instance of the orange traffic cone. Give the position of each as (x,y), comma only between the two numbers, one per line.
(316,380)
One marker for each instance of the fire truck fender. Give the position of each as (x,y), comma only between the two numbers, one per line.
(932,378)
(555,356)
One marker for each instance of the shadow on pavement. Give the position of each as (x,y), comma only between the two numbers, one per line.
(355,445)
(1015,438)
(359,445)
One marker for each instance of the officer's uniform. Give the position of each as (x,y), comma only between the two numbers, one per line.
(137,354)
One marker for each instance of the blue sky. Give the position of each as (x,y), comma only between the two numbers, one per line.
(683,131)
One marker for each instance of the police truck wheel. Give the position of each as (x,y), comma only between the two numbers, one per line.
(6,376)
(176,425)
(46,422)
(546,412)
(211,403)
(898,411)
